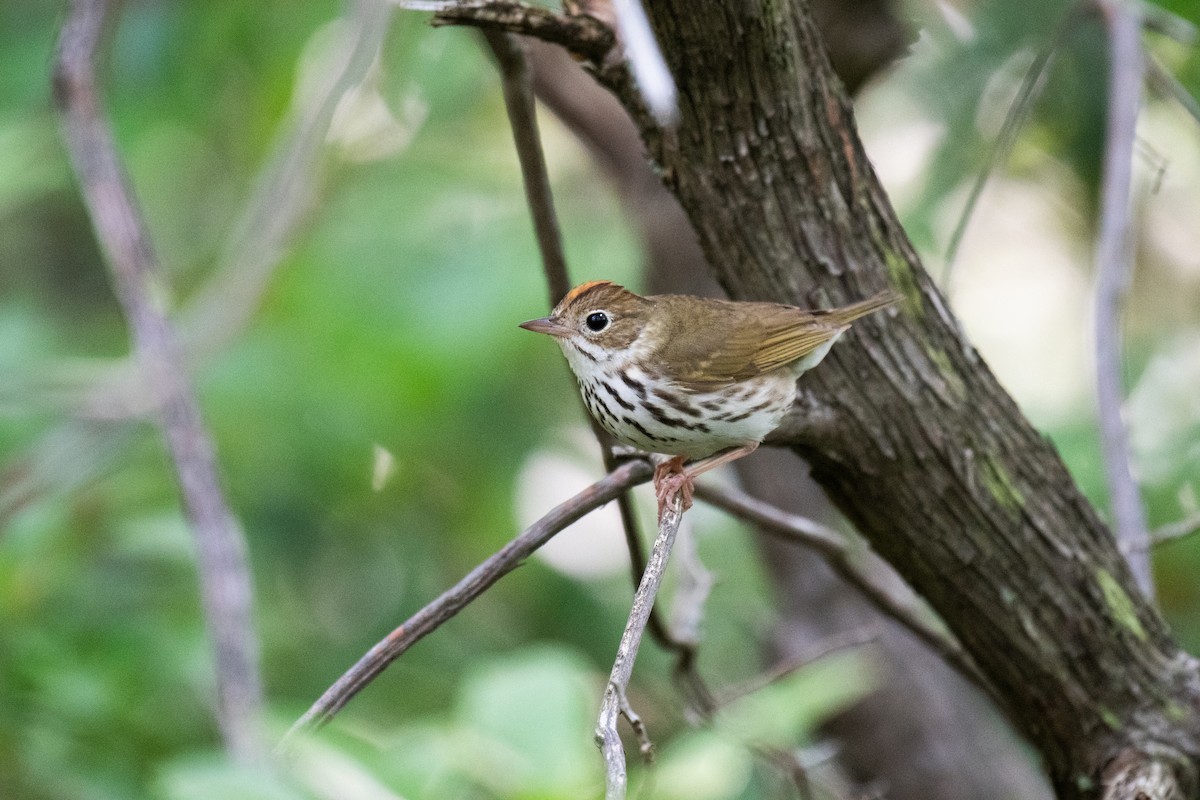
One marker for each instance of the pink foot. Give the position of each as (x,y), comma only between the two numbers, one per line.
(671,479)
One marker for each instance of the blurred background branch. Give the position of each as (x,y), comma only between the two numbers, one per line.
(138,279)
(1114,271)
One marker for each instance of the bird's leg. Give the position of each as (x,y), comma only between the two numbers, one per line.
(724,457)
(669,479)
(672,477)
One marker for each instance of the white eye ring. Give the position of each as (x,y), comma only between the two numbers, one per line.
(596,321)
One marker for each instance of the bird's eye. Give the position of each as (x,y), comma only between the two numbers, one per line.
(596,321)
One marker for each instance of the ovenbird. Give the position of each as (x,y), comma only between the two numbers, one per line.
(689,376)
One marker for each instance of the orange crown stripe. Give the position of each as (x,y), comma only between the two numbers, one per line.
(582,289)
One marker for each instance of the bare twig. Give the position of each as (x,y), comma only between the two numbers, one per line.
(791,761)
(615,703)
(829,645)
(1166,84)
(830,544)
(683,637)
(456,598)
(1157,19)
(1018,114)
(1176,530)
(790,765)
(1114,255)
(691,592)
(522,117)
(136,276)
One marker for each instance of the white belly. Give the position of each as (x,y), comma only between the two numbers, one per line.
(672,420)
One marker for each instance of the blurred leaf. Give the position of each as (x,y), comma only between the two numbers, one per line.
(208,777)
(702,765)
(788,710)
(535,710)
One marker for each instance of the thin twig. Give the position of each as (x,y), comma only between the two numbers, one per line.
(1157,19)
(522,117)
(1168,85)
(833,547)
(1176,530)
(827,646)
(615,703)
(1018,114)
(1114,256)
(456,598)
(687,617)
(691,591)
(137,278)
(790,761)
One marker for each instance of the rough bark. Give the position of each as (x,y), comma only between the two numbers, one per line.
(924,733)
(906,428)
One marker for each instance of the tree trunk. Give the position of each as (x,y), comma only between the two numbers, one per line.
(906,428)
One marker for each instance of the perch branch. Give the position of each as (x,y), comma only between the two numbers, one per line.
(615,703)
(140,288)
(1114,256)
(459,596)
(833,547)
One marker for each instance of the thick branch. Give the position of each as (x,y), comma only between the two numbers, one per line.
(137,278)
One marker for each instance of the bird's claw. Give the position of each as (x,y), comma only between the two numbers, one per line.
(671,480)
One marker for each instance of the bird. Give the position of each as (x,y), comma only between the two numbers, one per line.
(690,377)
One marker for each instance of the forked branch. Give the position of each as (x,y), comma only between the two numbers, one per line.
(615,704)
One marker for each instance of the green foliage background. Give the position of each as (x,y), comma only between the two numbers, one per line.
(389,325)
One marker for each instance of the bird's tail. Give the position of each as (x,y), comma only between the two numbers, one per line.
(847,314)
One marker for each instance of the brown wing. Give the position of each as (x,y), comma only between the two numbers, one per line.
(736,341)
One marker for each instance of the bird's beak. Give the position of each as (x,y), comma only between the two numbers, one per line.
(547,325)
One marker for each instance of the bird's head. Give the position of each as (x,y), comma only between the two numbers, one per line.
(596,323)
